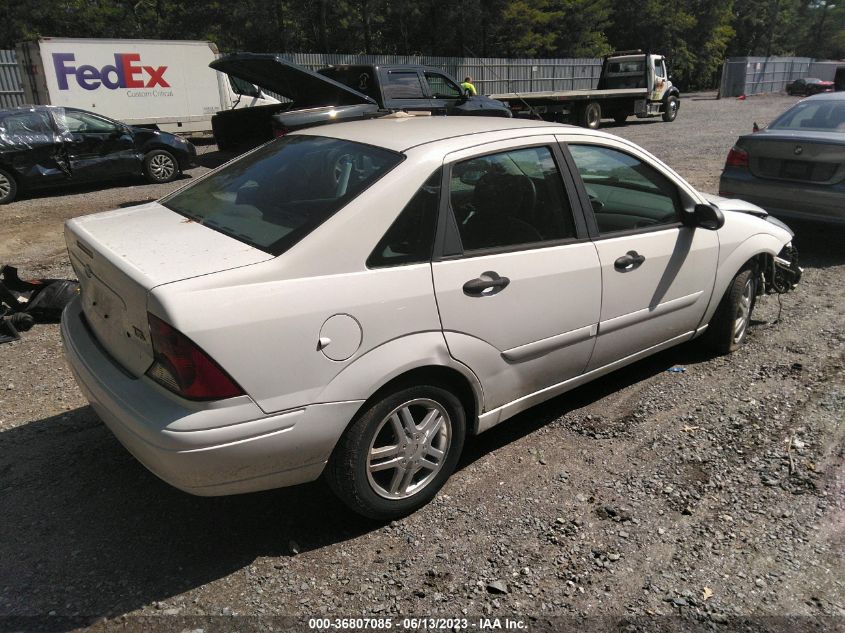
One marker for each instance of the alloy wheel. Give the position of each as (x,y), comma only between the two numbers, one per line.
(162,167)
(5,186)
(743,310)
(409,448)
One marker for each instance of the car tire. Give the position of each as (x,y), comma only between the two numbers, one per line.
(670,109)
(728,328)
(161,166)
(8,187)
(380,434)
(590,116)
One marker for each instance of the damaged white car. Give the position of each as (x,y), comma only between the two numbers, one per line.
(354,300)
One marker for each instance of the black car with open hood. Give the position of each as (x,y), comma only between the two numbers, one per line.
(334,94)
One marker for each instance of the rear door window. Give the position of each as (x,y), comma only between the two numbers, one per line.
(510,198)
(26,124)
(403,85)
(274,196)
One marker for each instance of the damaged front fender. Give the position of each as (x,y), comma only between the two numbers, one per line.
(783,272)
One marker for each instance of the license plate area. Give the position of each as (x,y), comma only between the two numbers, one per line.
(796,170)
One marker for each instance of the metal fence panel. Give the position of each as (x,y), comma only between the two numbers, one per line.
(11,89)
(759,75)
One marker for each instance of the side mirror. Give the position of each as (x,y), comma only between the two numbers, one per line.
(708,217)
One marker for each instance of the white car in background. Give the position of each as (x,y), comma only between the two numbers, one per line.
(354,300)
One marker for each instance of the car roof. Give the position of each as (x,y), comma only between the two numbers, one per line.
(401,133)
(827,96)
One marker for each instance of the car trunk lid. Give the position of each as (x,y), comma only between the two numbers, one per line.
(302,86)
(119,256)
(811,157)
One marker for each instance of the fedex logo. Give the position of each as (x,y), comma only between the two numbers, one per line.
(126,73)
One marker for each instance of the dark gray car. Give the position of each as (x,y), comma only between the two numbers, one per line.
(795,167)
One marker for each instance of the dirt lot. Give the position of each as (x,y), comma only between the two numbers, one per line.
(709,494)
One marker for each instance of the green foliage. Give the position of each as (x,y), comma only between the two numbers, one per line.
(696,35)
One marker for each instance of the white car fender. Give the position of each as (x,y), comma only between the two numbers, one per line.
(373,370)
(732,260)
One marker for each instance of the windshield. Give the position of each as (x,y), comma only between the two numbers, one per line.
(822,116)
(276,195)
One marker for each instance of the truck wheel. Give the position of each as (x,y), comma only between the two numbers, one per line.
(620,118)
(8,187)
(590,116)
(160,166)
(670,109)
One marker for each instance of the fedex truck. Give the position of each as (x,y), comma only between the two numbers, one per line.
(165,84)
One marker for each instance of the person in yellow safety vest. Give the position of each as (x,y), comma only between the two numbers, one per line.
(467,85)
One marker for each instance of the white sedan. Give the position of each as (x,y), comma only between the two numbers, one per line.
(353,300)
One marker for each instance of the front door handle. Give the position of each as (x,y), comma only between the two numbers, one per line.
(488,283)
(629,261)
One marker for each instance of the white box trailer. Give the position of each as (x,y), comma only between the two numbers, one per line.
(161,83)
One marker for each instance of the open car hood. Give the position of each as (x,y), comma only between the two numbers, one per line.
(303,87)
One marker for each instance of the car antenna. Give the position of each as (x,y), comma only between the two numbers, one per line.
(534,113)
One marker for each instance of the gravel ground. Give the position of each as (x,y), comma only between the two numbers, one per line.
(712,494)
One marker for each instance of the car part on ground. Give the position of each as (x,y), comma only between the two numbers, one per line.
(388,266)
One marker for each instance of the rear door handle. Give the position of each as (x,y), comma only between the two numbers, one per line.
(629,261)
(488,283)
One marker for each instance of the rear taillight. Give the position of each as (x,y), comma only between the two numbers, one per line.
(737,158)
(183,368)
(279,132)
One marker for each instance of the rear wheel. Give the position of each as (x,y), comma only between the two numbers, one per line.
(590,116)
(8,187)
(729,326)
(670,109)
(160,166)
(398,453)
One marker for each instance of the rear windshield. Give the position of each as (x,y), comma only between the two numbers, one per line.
(276,195)
(825,116)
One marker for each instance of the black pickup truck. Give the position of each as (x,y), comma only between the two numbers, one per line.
(334,94)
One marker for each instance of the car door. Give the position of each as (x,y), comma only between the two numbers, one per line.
(445,93)
(403,89)
(97,147)
(517,283)
(657,272)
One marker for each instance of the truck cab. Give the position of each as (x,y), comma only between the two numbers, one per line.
(639,70)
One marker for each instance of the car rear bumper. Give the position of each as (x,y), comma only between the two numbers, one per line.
(807,201)
(217,448)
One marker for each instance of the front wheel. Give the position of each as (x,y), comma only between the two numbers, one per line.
(670,109)
(729,326)
(160,166)
(398,453)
